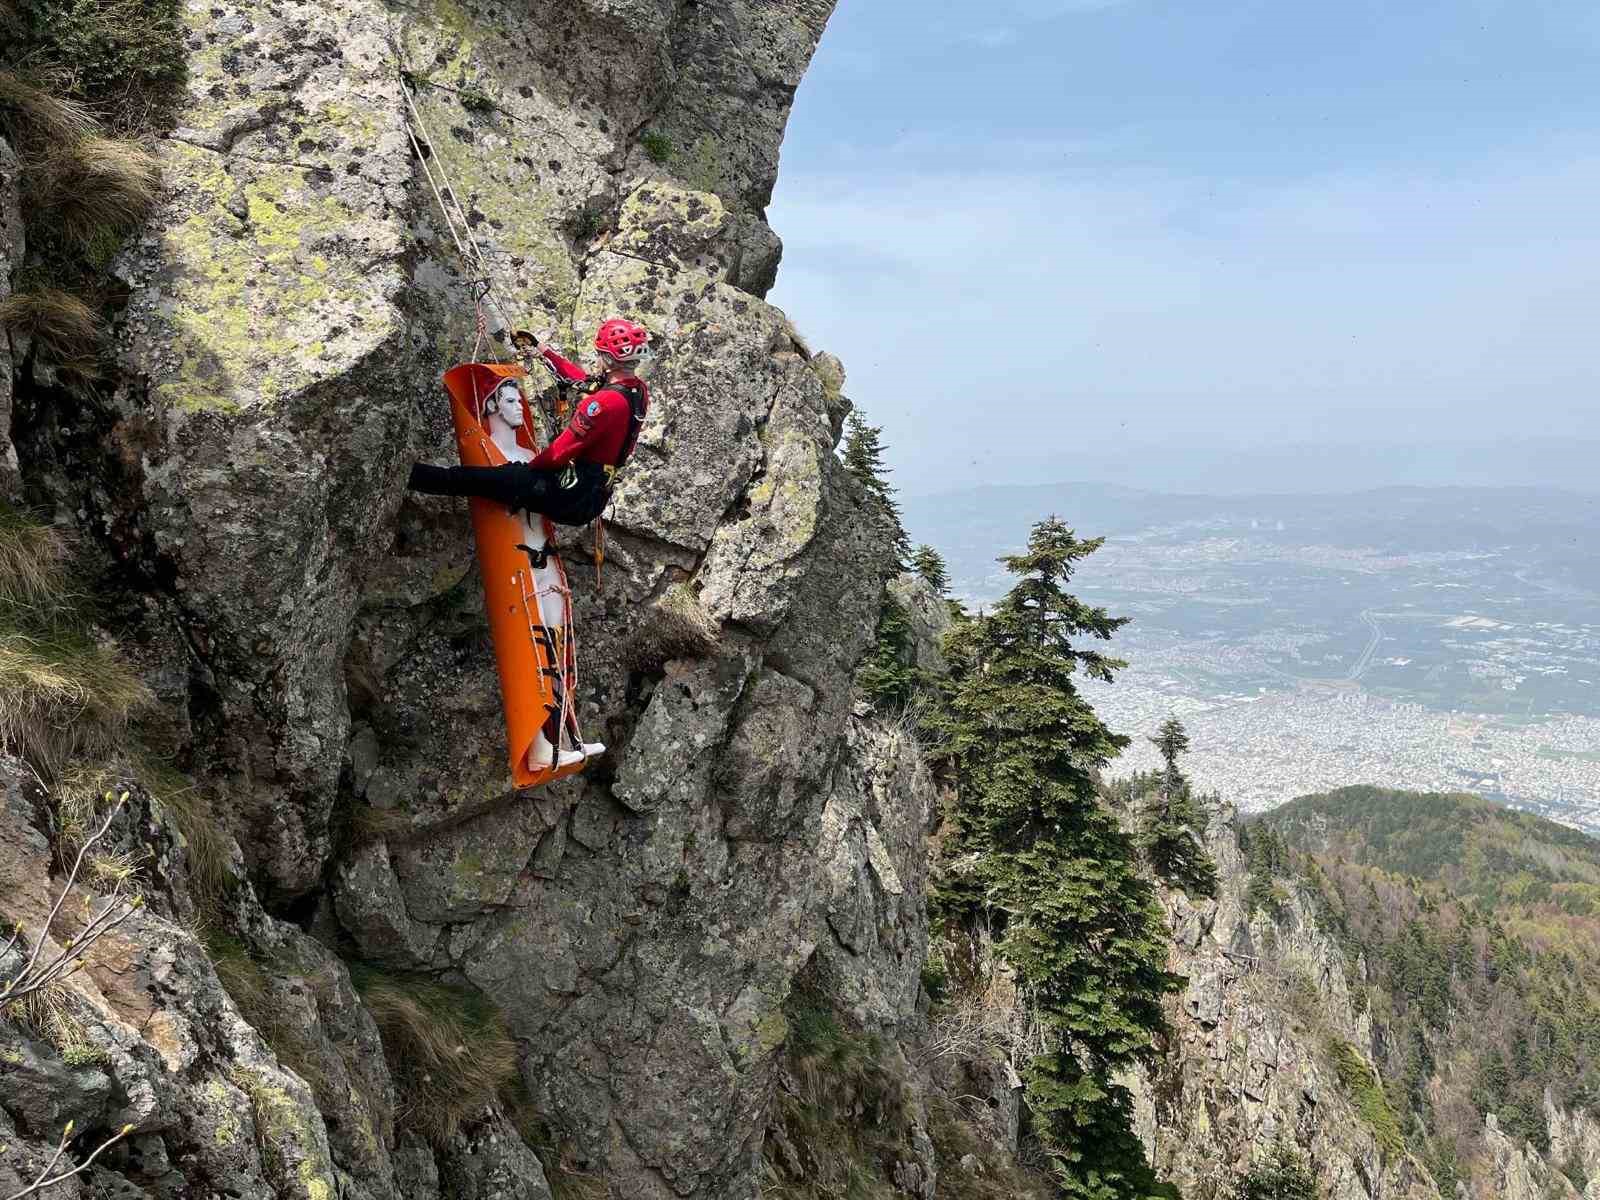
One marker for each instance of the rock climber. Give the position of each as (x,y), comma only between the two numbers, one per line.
(570,481)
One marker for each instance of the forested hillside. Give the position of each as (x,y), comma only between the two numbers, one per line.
(1479,929)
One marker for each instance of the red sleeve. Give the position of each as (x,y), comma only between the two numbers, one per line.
(584,432)
(569,371)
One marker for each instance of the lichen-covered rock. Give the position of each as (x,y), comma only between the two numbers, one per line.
(928,614)
(319,636)
(157,1042)
(874,850)
(491,1163)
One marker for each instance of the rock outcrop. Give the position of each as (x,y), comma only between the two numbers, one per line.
(13,249)
(1268,1000)
(316,643)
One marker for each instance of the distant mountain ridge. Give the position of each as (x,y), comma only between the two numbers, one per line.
(1309,467)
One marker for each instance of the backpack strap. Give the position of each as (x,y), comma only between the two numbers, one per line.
(634,395)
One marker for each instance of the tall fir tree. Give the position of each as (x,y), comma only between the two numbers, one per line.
(1037,855)
(863,458)
(928,563)
(1174,825)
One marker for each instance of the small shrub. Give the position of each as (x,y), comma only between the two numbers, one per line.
(122,56)
(658,147)
(587,224)
(1283,1175)
(447,1046)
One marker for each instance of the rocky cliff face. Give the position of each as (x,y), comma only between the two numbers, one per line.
(1272,1040)
(1267,997)
(315,641)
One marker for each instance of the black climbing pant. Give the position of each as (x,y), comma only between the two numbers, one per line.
(519,486)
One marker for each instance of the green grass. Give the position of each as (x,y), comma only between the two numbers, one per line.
(658,147)
(844,1110)
(1361,1084)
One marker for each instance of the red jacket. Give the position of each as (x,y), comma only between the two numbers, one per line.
(601,430)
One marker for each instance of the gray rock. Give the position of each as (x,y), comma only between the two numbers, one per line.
(491,1163)
(874,853)
(929,616)
(13,248)
(372,909)
(42,1093)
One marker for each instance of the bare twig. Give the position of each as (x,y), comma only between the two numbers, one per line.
(119,906)
(46,1179)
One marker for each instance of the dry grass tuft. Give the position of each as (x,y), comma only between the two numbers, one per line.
(448,1049)
(48,1013)
(675,626)
(60,322)
(62,697)
(33,559)
(370,824)
(61,693)
(208,843)
(98,187)
(33,116)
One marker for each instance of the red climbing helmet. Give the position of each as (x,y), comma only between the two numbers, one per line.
(621,340)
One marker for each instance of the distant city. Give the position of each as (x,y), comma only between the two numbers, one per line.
(1432,639)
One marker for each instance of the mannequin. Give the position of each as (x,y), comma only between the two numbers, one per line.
(505,415)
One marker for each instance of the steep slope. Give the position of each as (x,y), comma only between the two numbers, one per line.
(1270,1045)
(1479,931)
(318,658)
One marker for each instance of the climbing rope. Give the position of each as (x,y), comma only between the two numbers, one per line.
(455,219)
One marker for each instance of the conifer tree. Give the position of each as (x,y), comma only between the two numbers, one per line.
(1174,826)
(928,563)
(888,677)
(1043,860)
(863,458)
(1283,1176)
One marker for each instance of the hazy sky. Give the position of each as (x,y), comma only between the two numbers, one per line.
(1043,223)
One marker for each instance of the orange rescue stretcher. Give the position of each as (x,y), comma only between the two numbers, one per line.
(525,590)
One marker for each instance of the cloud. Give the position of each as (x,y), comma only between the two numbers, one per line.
(1059,307)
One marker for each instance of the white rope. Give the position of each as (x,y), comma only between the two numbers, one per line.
(457,224)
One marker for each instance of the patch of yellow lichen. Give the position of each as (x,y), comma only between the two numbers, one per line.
(519,217)
(220,1100)
(789,492)
(283,1126)
(250,302)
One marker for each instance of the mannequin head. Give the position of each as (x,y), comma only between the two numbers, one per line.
(506,405)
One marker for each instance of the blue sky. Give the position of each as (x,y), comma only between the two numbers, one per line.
(1033,226)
